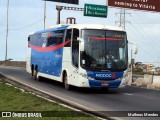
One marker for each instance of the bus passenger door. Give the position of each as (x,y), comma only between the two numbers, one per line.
(75,55)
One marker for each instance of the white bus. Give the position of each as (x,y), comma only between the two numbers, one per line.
(82,55)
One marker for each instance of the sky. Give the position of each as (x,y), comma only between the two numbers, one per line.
(25,17)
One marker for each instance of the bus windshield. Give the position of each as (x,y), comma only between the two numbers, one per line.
(104,50)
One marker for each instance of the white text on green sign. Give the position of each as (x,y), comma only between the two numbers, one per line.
(95,10)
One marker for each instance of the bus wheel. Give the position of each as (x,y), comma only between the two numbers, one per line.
(32,70)
(105,90)
(35,74)
(66,85)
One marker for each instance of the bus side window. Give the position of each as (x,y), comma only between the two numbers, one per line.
(75,48)
(75,34)
(32,40)
(51,41)
(29,41)
(68,37)
(39,40)
(55,38)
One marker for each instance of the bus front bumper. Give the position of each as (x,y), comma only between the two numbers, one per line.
(104,84)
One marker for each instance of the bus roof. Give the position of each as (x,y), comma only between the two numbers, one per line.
(53,29)
(81,26)
(95,26)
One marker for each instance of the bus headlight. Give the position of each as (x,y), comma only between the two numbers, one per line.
(86,76)
(123,78)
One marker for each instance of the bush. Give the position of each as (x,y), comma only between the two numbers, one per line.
(138,70)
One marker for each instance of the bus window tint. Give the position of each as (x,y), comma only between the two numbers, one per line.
(29,41)
(35,40)
(32,40)
(75,47)
(39,40)
(51,41)
(55,38)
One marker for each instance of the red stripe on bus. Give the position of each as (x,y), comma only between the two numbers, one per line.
(100,38)
(49,48)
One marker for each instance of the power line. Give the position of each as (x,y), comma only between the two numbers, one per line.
(149,33)
(143,44)
(23,26)
(146,23)
(122,20)
(145,49)
(2,32)
(28,25)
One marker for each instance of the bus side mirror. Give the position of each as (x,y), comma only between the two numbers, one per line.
(135,49)
(81,44)
(135,46)
(28,39)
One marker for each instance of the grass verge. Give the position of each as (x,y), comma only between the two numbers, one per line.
(13,99)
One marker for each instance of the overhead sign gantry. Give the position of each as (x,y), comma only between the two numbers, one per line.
(145,5)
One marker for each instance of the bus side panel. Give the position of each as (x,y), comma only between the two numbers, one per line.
(66,64)
(28,60)
(72,72)
(48,62)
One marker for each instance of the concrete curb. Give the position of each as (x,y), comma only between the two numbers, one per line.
(148,81)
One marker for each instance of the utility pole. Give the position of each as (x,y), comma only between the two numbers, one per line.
(122,22)
(158,61)
(44,15)
(7,31)
(59,8)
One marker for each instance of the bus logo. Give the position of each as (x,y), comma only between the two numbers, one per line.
(113,75)
(103,75)
(109,65)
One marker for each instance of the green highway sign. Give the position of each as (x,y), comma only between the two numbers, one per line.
(95,10)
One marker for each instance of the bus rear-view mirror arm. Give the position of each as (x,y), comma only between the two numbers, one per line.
(81,41)
(134,47)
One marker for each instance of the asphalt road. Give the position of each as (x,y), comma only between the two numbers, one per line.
(121,99)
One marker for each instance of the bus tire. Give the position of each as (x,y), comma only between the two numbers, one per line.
(36,77)
(104,89)
(32,70)
(36,74)
(65,81)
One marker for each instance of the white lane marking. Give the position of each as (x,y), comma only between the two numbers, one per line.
(127,94)
(12,67)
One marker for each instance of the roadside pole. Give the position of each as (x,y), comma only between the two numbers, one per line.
(7,32)
(59,8)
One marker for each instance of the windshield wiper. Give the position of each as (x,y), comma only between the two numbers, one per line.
(100,69)
(105,70)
